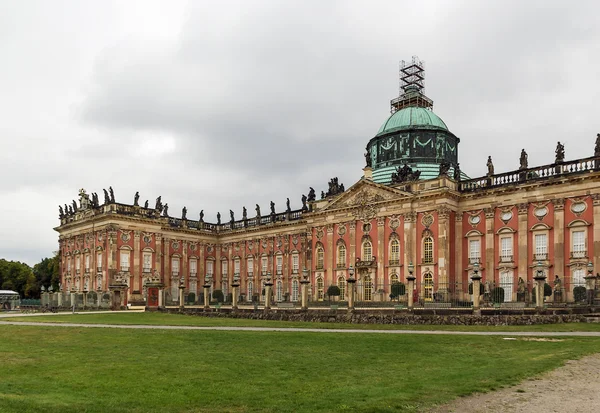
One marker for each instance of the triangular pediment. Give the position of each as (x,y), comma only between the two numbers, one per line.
(365,192)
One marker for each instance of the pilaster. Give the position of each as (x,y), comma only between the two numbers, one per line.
(380,278)
(458,243)
(443,246)
(522,238)
(596,231)
(490,254)
(330,257)
(136,262)
(559,237)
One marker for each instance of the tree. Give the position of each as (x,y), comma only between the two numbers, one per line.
(17,276)
(579,293)
(218,295)
(47,274)
(334,291)
(397,289)
(498,295)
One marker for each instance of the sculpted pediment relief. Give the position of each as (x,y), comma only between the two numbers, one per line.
(364,195)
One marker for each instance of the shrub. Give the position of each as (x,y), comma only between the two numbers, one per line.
(191,298)
(547,290)
(218,295)
(579,293)
(397,289)
(498,295)
(481,289)
(333,291)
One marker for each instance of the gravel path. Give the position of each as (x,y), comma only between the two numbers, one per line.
(573,388)
(316,330)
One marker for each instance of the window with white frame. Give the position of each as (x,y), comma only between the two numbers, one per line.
(250,266)
(265,264)
(320,258)
(541,246)
(295,290)
(147,262)
(77,264)
(474,251)
(224,287)
(69,265)
(279,293)
(250,290)
(193,267)
(320,289)
(295,263)
(506,252)
(224,268)
(342,286)
(367,251)
(210,268)
(87,262)
(428,250)
(236,266)
(341,256)
(99,262)
(175,266)
(394,251)
(578,249)
(578,278)
(124,260)
(279,263)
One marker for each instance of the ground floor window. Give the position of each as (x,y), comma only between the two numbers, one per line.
(428,286)
(295,290)
(320,289)
(368,289)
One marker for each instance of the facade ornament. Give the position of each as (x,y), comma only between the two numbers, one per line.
(61,213)
(311,194)
(136,198)
(368,158)
(71,210)
(329,229)
(184,213)
(166,210)
(257,214)
(322,194)
(560,153)
(272,208)
(287,206)
(489,212)
(218,217)
(146,204)
(456,175)
(459,217)
(304,199)
(380,221)
(410,217)
(231,216)
(335,187)
(74,206)
(443,212)
(106,197)
(112,194)
(84,199)
(522,208)
(136,235)
(596,199)
(159,205)
(244,213)
(352,226)
(405,174)
(523,160)
(490,166)
(559,204)
(427,220)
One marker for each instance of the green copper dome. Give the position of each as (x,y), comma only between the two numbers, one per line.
(412,117)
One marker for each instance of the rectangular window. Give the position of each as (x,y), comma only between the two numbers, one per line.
(428,250)
(394,252)
(69,265)
(124,260)
(506,249)
(236,267)
(295,290)
(210,268)
(578,249)
(250,266)
(193,267)
(175,266)
(78,264)
(265,264)
(295,263)
(279,264)
(224,268)
(99,262)
(147,263)
(87,263)
(341,258)
(541,246)
(474,251)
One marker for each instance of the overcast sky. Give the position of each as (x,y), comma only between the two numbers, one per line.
(216,105)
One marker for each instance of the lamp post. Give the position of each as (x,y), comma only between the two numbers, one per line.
(181,289)
(234,289)
(351,287)
(590,283)
(304,282)
(540,278)
(411,285)
(207,284)
(476,278)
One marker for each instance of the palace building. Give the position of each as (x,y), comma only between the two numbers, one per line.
(413,213)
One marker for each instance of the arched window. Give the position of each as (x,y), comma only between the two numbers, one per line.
(428,286)
(250,290)
(394,252)
(342,287)
(367,248)
(279,291)
(428,250)
(368,288)
(320,257)
(341,256)
(320,289)
(578,280)
(295,290)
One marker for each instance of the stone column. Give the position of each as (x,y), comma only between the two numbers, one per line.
(559,242)
(590,284)
(304,285)
(380,277)
(352,247)
(411,286)
(234,293)
(137,283)
(329,264)
(206,296)
(410,237)
(540,279)
(490,254)
(522,241)
(181,296)
(161,293)
(476,278)
(351,288)
(596,231)
(457,253)
(268,286)
(443,249)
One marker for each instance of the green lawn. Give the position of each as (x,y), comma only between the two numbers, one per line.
(186,320)
(50,369)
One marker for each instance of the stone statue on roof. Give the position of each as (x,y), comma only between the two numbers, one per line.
(184,213)
(560,153)
(311,194)
(218,218)
(523,160)
(136,198)
(490,166)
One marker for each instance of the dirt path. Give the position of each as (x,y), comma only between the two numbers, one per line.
(573,388)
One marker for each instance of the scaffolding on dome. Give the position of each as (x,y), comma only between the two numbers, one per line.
(412,86)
